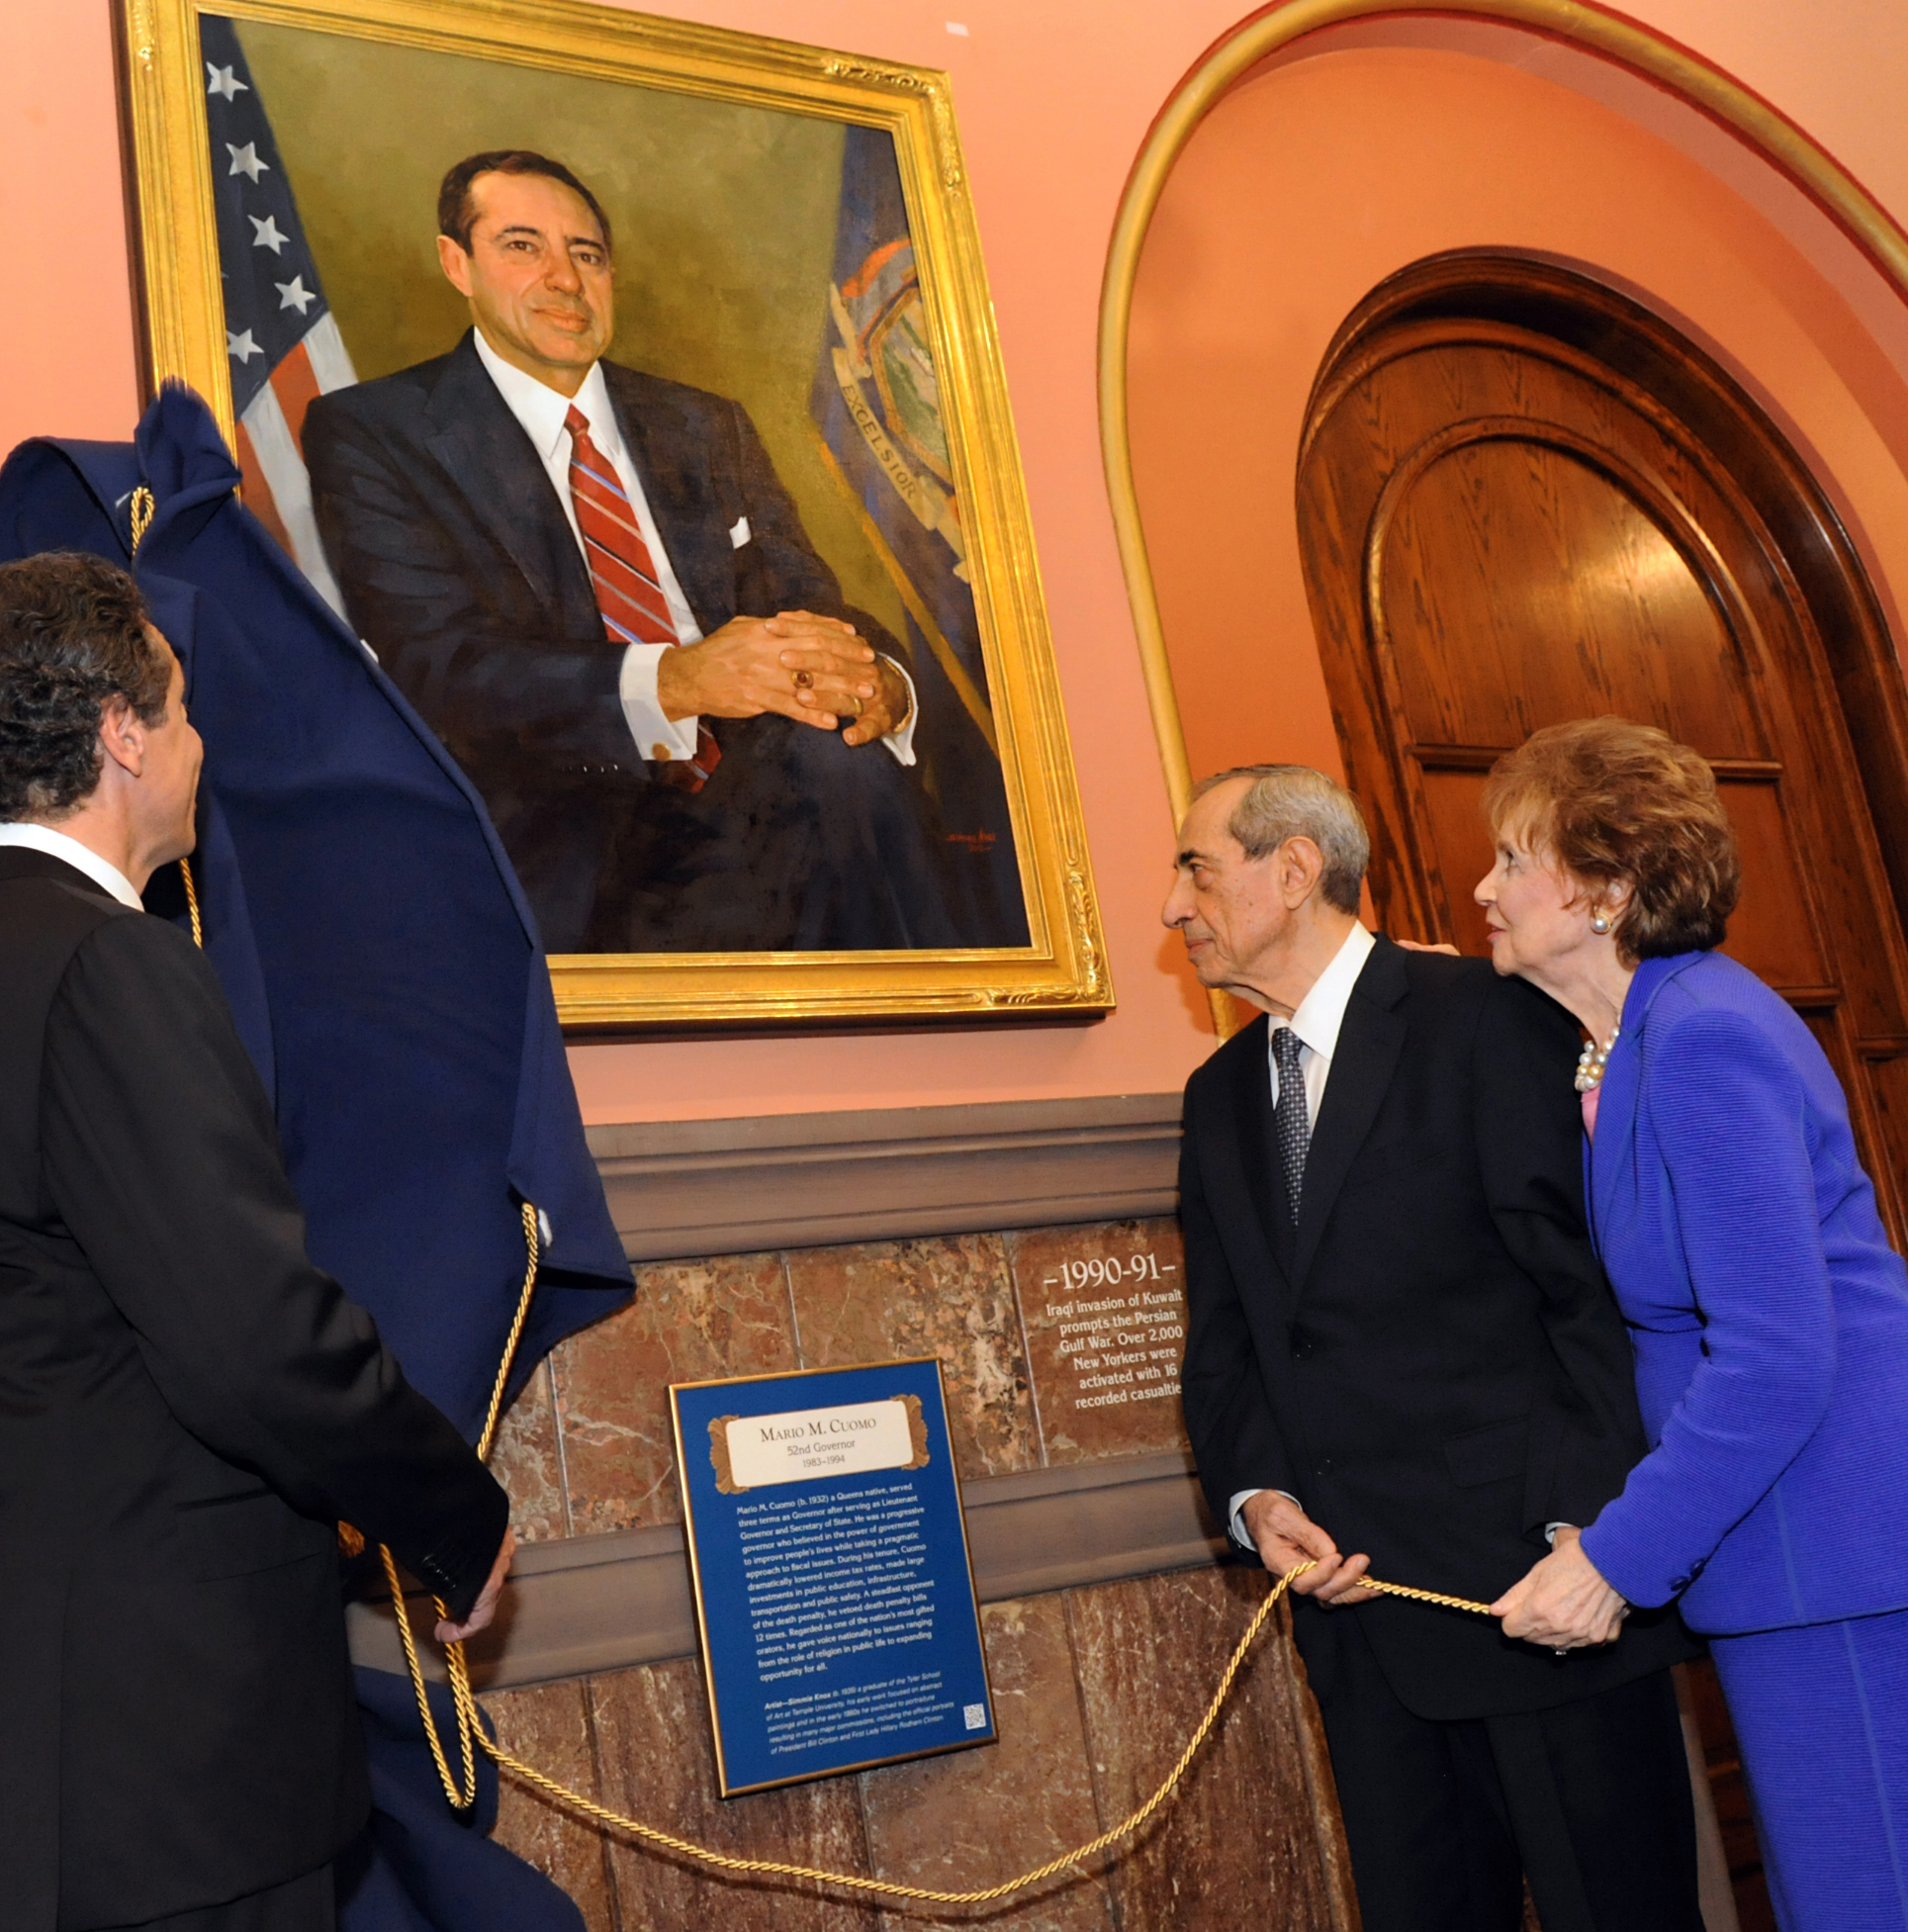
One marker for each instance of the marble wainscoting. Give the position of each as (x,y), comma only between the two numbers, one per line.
(1059,1346)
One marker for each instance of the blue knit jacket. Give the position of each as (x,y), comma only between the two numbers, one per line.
(1769,1315)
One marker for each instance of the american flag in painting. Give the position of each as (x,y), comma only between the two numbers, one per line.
(282,342)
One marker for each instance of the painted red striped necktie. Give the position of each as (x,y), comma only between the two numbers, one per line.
(622,573)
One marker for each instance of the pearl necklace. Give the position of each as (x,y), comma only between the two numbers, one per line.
(1592,1060)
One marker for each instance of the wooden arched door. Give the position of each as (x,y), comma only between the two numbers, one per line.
(1524,499)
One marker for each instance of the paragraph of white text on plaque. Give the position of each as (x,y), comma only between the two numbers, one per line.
(1121,1319)
(885,1711)
(834,1573)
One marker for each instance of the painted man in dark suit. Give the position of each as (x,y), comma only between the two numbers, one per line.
(594,586)
(188,1407)
(1404,1360)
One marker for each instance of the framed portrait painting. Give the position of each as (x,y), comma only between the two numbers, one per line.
(631,390)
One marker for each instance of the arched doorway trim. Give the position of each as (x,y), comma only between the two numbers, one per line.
(1591,28)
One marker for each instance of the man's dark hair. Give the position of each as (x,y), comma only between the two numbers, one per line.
(72,638)
(457,211)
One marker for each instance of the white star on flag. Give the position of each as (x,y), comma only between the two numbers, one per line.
(265,234)
(295,294)
(221,80)
(246,161)
(243,346)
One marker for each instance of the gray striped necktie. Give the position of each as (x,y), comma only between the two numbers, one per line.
(1290,1119)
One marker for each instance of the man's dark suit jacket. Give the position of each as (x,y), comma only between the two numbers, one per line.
(187,1408)
(460,569)
(1432,1363)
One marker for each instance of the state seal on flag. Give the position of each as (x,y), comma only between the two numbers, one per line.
(885,365)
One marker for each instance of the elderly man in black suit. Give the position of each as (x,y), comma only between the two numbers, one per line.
(188,1407)
(1404,1359)
(595,590)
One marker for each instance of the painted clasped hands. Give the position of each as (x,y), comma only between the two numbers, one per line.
(814,669)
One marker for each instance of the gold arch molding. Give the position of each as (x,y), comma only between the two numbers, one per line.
(1607,35)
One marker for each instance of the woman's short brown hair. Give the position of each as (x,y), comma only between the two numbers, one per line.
(1611,802)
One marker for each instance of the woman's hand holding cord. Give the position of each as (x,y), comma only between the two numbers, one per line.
(1562,1603)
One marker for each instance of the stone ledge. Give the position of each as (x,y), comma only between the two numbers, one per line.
(685,1189)
(606,1603)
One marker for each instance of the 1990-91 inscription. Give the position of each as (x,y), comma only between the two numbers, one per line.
(1123,1345)
(1105,1308)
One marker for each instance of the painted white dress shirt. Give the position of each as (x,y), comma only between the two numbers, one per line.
(43,838)
(541,410)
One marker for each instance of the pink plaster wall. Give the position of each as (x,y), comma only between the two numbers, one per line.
(1321,175)
(1054,101)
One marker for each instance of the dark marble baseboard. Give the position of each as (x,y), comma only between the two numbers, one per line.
(694,1188)
(591,1603)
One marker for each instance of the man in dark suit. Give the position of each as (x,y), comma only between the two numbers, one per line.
(595,590)
(1404,1360)
(188,1407)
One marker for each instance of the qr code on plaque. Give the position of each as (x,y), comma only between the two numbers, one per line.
(975,1715)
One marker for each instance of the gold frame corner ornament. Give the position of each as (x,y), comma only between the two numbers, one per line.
(917,1432)
(1063,969)
(1591,28)
(720,1458)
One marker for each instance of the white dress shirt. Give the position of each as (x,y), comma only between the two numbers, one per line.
(541,410)
(1318,1021)
(1321,1018)
(82,858)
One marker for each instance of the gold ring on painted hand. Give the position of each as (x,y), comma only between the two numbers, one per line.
(856,713)
(804,679)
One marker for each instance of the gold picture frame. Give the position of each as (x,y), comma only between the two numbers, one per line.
(1061,969)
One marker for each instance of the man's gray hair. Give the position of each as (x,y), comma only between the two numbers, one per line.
(1293,802)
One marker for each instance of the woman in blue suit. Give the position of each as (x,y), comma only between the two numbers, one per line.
(1769,1314)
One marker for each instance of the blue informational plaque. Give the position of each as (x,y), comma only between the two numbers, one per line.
(829,1557)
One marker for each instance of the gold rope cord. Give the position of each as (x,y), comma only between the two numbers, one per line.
(602,1815)
(140,514)
(192,904)
(461,1788)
